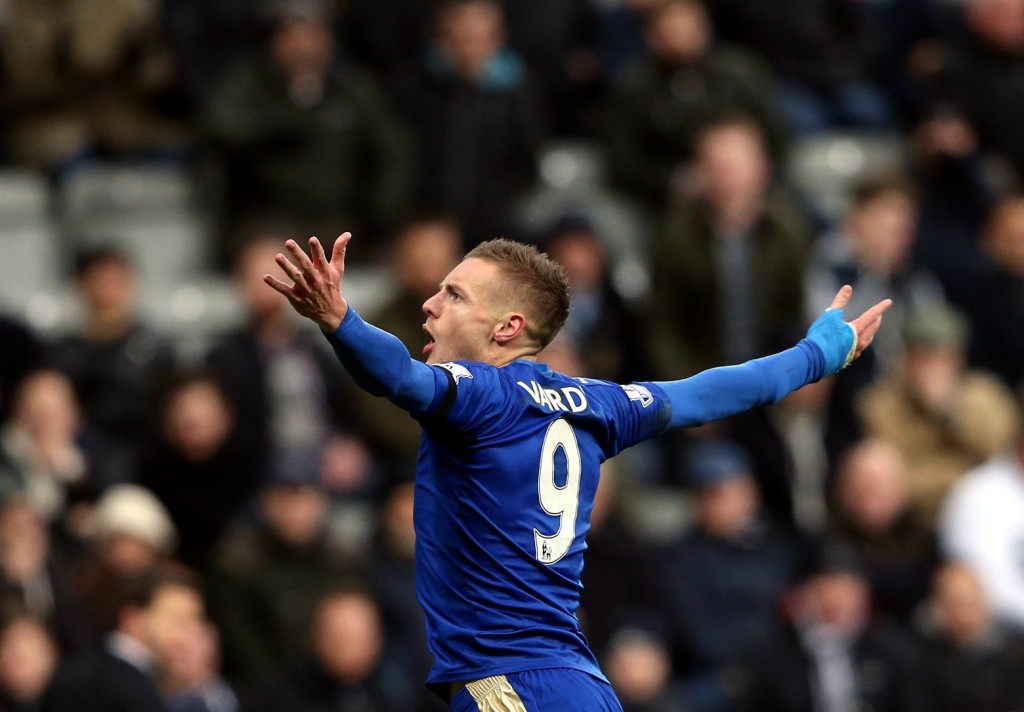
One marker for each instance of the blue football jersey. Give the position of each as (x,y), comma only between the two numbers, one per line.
(508,467)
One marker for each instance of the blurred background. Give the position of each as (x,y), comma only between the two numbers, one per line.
(199,512)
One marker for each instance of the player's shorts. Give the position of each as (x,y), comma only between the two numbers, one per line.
(545,690)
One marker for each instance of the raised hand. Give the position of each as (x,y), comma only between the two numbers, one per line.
(867,324)
(315,292)
(841,341)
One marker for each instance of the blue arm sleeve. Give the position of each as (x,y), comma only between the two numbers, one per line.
(380,364)
(720,392)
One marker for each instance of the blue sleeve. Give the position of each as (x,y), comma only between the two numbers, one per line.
(720,392)
(380,364)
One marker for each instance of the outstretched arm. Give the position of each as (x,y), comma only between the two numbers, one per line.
(831,344)
(377,361)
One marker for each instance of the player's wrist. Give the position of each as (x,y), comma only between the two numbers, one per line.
(836,338)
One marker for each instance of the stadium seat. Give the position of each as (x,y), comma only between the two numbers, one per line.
(152,210)
(824,168)
(31,256)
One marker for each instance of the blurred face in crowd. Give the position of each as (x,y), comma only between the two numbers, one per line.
(1004,236)
(28,657)
(46,407)
(883,231)
(582,256)
(933,374)
(173,617)
(998,22)
(108,287)
(732,166)
(193,660)
(679,32)
(726,509)
(424,254)
(295,512)
(197,420)
(959,603)
(303,47)
(398,523)
(469,34)
(638,667)
(348,636)
(126,555)
(871,489)
(838,600)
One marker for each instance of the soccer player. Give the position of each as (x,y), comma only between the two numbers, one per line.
(510,456)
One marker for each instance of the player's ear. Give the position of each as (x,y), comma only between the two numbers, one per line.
(509,326)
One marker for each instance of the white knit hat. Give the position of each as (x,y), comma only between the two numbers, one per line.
(134,511)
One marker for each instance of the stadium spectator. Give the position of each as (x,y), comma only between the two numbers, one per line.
(301,136)
(814,660)
(982,524)
(998,279)
(269,571)
(640,669)
(957,190)
(191,680)
(287,391)
(478,122)
(156,613)
(34,573)
(872,515)
(982,78)
(733,247)
(28,659)
(200,473)
(424,250)
(40,451)
(746,562)
(660,102)
(969,661)
(606,330)
(130,534)
(943,417)
(82,79)
(821,53)
(116,362)
(349,668)
(872,251)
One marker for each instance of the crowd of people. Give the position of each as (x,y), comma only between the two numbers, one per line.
(234,532)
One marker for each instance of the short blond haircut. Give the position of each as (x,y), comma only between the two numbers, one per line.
(534,283)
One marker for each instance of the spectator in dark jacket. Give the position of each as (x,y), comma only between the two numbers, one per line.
(969,661)
(745,559)
(116,363)
(302,137)
(983,78)
(660,101)
(827,654)
(477,119)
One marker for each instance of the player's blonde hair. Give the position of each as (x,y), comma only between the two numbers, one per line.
(534,283)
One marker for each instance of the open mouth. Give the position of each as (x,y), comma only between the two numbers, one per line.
(430,343)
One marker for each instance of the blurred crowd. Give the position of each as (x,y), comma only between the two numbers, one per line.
(232,531)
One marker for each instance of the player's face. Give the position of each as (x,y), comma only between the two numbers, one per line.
(460,317)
